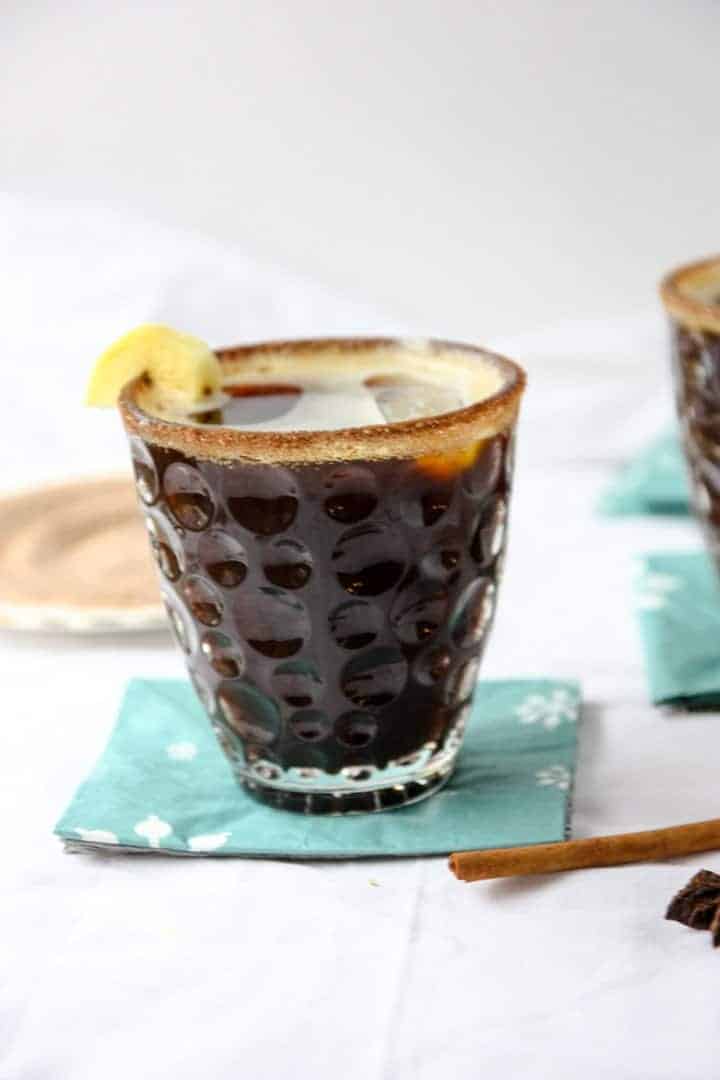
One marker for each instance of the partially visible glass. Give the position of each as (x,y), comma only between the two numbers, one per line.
(332,591)
(691,295)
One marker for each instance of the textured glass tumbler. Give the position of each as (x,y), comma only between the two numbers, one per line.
(332,591)
(691,295)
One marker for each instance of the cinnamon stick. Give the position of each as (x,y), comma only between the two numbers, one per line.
(581,854)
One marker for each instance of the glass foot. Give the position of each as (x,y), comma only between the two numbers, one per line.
(379,790)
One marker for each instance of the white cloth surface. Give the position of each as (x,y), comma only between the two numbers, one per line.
(387,970)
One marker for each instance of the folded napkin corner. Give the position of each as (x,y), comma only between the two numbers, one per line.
(655,482)
(678,602)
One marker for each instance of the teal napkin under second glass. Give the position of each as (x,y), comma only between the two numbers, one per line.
(679,611)
(654,483)
(162,784)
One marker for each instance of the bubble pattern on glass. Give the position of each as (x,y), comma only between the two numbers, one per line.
(330,630)
(696,367)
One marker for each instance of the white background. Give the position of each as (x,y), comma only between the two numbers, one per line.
(473,167)
(476,170)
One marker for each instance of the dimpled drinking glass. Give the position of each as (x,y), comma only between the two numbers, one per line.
(332,591)
(691,295)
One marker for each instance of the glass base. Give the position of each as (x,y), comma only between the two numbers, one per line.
(357,789)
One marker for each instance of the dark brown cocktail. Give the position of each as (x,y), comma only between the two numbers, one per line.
(692,298)
(330,537)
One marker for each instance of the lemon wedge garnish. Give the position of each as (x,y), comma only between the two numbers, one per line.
(183,368)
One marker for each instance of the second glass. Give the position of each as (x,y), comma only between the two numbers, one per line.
(691,295)
(333,590)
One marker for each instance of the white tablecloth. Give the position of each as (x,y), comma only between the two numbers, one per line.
(157,967)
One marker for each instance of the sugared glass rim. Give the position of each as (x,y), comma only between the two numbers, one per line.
(676,290)
(408,439)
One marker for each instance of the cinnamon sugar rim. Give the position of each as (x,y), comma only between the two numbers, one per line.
(684,293)
(410,438)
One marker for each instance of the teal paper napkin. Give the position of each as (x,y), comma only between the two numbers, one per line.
(163,784)
(654,483)
(679,610)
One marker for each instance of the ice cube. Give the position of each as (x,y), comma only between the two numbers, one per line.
(331,406)
(400,398)
(317,405)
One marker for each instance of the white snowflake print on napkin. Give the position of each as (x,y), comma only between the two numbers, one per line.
(208,841)
(153,829)
(556,776)
(549,710)
(181,751)
(654,590)
(97,836)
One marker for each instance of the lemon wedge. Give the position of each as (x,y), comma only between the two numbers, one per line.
(183,368)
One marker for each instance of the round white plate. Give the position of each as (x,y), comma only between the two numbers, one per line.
(75,558)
